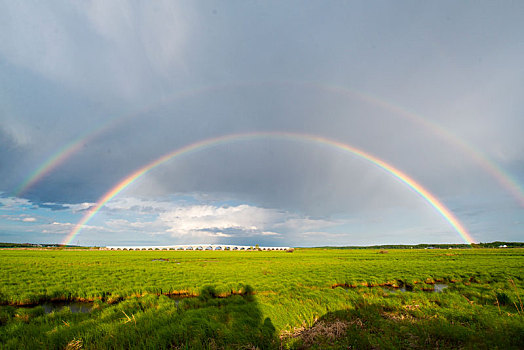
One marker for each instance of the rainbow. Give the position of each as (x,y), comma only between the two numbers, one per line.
(502,177)
(66,151)
(51,163)
(212,142)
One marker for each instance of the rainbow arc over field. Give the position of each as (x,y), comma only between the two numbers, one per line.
(212,142)
(70,148)
(51,163)
(490,167)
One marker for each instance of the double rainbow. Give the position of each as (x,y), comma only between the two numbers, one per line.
(212,142)
(490,167)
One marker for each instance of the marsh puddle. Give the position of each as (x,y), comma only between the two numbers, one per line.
(178,297)
(393,289)
(437,288)
(74,306)
(166,260)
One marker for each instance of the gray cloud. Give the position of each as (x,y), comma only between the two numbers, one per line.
(171,74)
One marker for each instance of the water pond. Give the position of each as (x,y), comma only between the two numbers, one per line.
(74,306)
(178,297)
(437,288)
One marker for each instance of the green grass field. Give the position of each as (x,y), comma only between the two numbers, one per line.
(311,298)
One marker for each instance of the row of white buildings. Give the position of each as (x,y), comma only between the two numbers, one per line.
(196,247)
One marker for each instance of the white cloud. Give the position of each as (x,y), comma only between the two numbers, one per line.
(139,205)
(23,218)
(57,227)
(175,218)
(207,218)
(9,203)
(149,227)
(244,220)
(219,234)
(270,233)
(75,208)
(186,221)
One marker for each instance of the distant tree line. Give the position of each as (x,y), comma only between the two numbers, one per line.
(495,244)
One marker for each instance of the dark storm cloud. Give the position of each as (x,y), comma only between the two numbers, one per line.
(12,152)
(171,74)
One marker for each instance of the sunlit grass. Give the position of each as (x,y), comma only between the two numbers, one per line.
(303,295)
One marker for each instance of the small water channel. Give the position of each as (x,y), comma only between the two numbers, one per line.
(178,297)
(437,288)
(74,306)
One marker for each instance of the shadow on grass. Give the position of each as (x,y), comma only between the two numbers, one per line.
(374,326)
(217,323)
(148,322)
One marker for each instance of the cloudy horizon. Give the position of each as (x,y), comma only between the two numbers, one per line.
(93,91)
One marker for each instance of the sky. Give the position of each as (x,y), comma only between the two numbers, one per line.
(93,91)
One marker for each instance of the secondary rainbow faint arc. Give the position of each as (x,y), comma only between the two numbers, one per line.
(488,165)
(505,179)
(418,188)
(52,162)
(70,148)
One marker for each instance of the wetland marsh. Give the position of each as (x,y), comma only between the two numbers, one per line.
(312,298)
